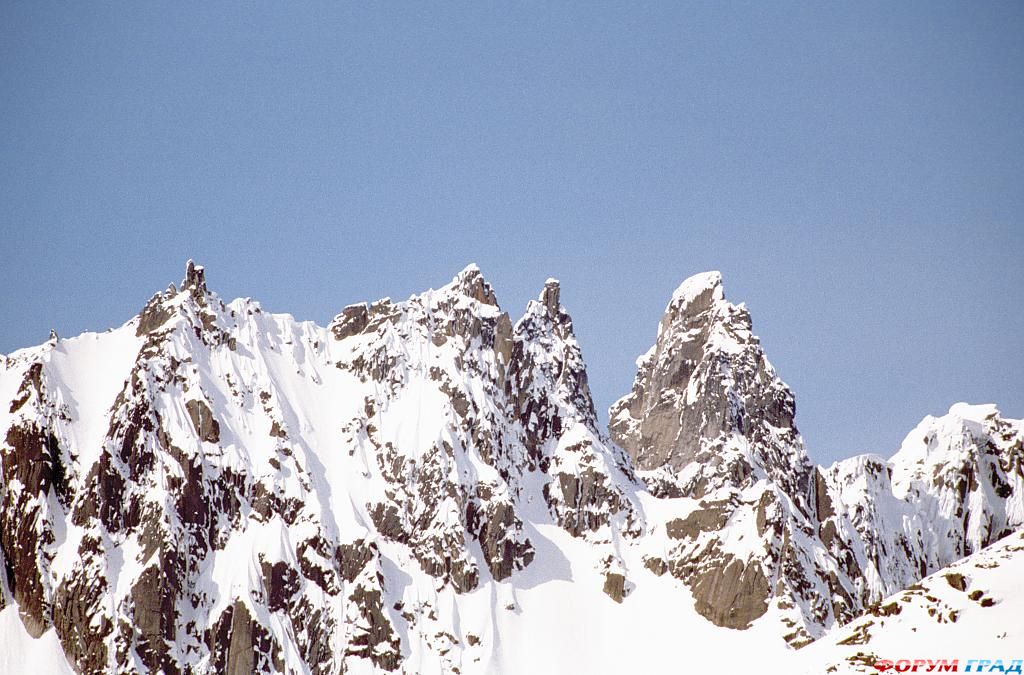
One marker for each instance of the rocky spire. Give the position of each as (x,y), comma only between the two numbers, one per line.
(195,279)
(709,419)
(547,376)
(550,295)
(706,376)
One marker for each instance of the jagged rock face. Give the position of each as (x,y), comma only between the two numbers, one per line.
(35,490)
(462,479)
(589,480)
(547,368)
(706,379)
(705,376)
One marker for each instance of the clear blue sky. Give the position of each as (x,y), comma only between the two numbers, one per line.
(856,170)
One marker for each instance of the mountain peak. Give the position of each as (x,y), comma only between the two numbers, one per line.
(705,378)
(470,281)
(700,290)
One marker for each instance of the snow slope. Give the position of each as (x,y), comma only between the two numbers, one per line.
(21,653)
(969,610)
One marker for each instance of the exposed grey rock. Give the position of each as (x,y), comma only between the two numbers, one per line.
(195,280)
(153,316)
(375,640)
(732,595)
(705,376)
(203,422)
(708,518)
(709,419)
(614,586)
(500,535)
(154,620)
(239,645)
(352,321)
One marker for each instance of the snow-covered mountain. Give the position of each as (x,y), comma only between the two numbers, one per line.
(423,486)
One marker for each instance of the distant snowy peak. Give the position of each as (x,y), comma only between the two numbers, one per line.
(968,436)
(955,486)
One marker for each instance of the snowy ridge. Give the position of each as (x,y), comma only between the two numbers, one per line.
(968,610)
(955,486)
(423,487)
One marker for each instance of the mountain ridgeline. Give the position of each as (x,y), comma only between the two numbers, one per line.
(215,488)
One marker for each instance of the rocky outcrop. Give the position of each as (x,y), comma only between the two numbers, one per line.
(706,380)
(352,321)
(240,645)
(202,421)
(499,531)
(547,381)
(589,479)
(34,489)
(734,595)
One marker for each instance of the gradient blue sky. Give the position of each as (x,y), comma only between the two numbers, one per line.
(855,170)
